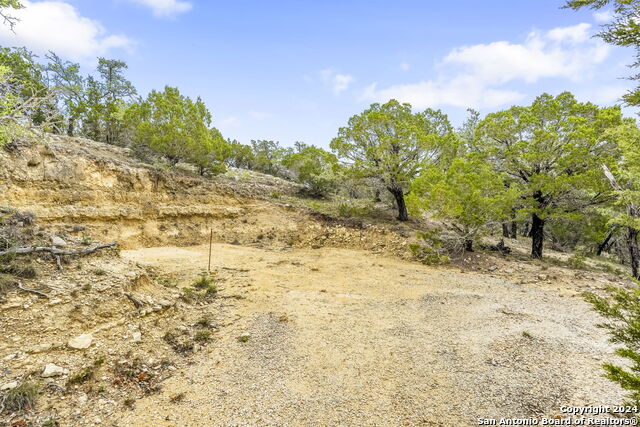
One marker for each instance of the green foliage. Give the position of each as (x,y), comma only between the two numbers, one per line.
(350,210)
(392,144)
(240,156)
(627,173)
(268,156)
(432,250)
(552,151)
(621,307)
(179,128)
(21,398)
(623,30)
(313,167)
(202,336)
(70,86)
(468,193)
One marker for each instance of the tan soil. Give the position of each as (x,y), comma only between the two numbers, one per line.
(340,337)
(343,328)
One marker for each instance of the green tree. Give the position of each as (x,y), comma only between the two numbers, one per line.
(552,151)
(623,30)
(178,128)
(268,156)
(117,91)
(240,155)
(468,193)
(70,86)
(26,78)
(625,180)
(392,144)
(313,167)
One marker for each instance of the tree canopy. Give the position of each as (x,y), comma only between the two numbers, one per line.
(552,150)
(623,30)
(392,144)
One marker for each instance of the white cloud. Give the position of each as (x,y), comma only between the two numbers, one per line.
(603,16)
(58,26)
(338,82)
(405,66)
(473,75)
(165,8)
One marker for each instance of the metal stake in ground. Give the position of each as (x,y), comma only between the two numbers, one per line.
(210,243)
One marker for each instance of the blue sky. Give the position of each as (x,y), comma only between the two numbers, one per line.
(297,70)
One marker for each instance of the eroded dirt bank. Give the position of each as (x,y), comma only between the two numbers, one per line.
(340,337)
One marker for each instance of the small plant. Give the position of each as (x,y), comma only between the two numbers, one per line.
(82,376)
(527,335)
(99,272)
(349,210)
(577,261)
(203,336)
(204,281)
(51,423)
(86,241)
(178,342)
(177,398)
(24,396)
(276,195)
(243,338)
(205,322)
(7,282)
(129,402)
(85,374)
(433,250)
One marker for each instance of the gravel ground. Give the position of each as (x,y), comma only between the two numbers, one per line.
(343,337)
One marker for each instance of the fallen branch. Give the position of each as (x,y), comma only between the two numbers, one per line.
(32,291)
(55,251)
(134,300)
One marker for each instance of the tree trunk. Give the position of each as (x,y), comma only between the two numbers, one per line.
(634,251)
(537,236)
(505,229)
(398,194)
(514,230)
(468,245)
(71,127)
(604,245)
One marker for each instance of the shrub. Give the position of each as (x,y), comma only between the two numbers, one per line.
(350,210)
(432,251)
(20,398)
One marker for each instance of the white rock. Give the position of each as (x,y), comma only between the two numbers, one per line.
(51,370)
(137,336)
(58,242)
(9,386)
(40,348)
(81,342)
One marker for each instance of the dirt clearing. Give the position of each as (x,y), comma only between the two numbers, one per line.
(343,337)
